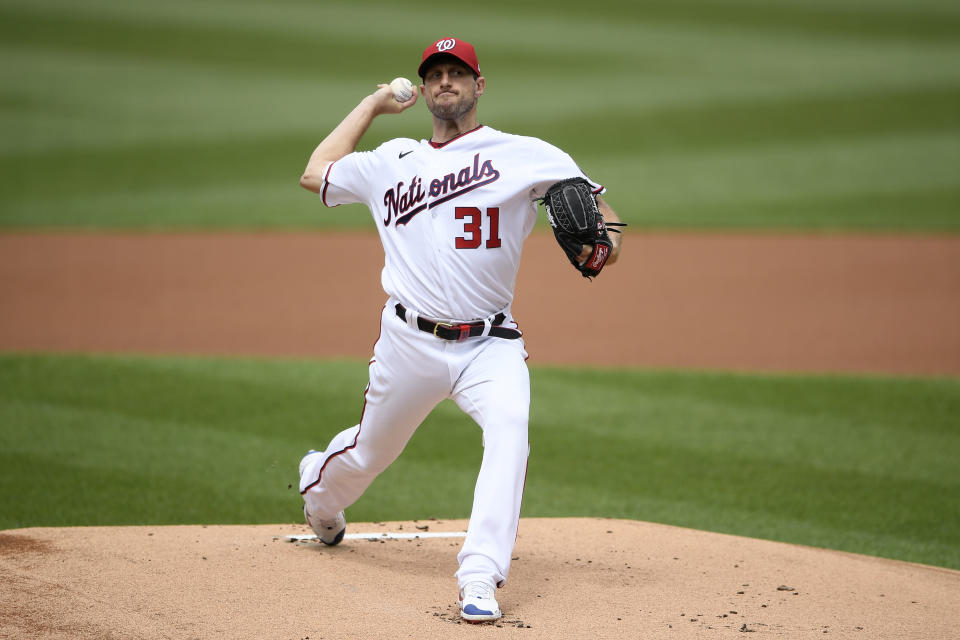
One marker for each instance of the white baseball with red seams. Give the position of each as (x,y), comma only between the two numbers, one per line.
(402,89)
(452,218)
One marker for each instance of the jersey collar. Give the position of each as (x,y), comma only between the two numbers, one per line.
(440,145)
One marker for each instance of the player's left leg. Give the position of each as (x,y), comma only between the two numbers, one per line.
(494,389)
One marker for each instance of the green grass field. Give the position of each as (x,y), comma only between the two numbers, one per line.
(791,114)
(865,465)
(834,115)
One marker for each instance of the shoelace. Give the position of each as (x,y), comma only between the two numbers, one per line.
(478,590)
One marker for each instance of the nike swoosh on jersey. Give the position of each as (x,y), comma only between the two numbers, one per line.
(405,154)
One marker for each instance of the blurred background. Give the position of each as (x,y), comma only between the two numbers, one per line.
(803,114)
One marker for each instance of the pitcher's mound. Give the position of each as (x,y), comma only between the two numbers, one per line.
(571,578)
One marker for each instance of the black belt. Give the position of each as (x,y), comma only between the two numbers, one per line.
(458,332)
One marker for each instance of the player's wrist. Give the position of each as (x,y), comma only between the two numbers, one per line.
(382,101)
(373,103)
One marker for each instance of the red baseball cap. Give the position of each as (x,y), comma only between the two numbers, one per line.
(462,51)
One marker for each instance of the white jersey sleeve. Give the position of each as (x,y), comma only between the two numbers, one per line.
(550,165)
(351,179)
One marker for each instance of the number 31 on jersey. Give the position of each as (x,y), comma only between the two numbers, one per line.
(473,227)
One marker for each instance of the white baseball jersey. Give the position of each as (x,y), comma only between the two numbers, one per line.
(452,217)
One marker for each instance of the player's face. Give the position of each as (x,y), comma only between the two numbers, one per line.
(450,90)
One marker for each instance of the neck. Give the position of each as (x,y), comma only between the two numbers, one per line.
(446,130)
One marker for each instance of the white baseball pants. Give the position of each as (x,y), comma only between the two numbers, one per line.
(410,373)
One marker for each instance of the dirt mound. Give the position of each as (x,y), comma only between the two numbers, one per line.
(571,578)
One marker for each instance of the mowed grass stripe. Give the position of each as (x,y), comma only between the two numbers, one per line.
(890,20)
(754,123)
(823,185)
(860,464)
(901,23)
(876,184)
(878,208)
(749,124)
(187,43)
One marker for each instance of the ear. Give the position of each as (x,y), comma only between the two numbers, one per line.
(423,89)
(481,86)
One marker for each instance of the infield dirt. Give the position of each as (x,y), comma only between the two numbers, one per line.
(571,578)
(842,303)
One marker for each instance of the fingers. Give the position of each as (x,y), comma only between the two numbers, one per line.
(386,103)
(406,104)
(615,240)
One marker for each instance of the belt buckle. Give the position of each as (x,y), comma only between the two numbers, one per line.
(441,324)
(464,330)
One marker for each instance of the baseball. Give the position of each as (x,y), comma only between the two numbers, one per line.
(402,89)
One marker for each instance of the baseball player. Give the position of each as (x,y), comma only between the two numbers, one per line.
(452,212)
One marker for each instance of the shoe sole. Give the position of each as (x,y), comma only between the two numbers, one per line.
(336,539)
(480,615)
(472,619)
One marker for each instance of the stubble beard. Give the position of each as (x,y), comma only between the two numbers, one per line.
(451,110)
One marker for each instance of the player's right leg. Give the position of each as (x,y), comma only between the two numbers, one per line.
(408,377)
(495,391)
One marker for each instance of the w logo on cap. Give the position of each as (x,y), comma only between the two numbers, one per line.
(459,49)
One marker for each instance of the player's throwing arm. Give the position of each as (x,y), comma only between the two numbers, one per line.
(346,136)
